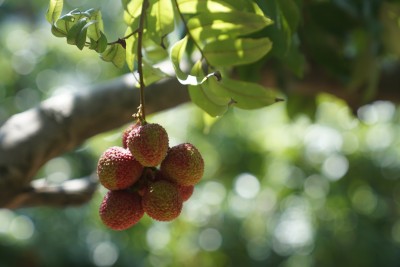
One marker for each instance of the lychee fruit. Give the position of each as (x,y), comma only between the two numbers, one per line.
(126,133)
(162,201)
(148,143)
(117,168)
(186,191)
(183,164)
(121,209)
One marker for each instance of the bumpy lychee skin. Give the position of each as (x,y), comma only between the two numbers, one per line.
(126,132)
(120,210)
(183,164)
(185,191)
(148,143)
(162,201)
(117,168)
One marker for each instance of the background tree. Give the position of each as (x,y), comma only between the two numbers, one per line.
(300,183)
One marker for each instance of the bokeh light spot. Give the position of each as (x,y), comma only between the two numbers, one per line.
(158,236)
(105,254)
(247,185)
(364,200)
(22,227)
(210,239)
(335,167)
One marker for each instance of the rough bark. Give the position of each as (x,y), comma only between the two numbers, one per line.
(31,138)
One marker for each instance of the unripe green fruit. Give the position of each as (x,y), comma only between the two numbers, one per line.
(117,168)
(126,132)
(148,143)
(120,210)
(162,201)
(183,164)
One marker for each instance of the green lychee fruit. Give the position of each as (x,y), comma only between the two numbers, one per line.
(148,143)
(126,133)
(162,201)
(117,168)
(121,209)
(183,164)
(186,191)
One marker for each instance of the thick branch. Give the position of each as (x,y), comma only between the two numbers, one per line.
(31,138)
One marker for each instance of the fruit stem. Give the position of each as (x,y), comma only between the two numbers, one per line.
(141,112)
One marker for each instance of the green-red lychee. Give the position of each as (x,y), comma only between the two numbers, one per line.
(183,164)
(185,191)
(126,132)
(117,168)
(121,209)
(162,201)
(148,143)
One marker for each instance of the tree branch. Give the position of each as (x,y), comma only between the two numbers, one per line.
(31,138)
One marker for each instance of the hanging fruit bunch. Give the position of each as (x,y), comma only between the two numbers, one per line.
(145,175)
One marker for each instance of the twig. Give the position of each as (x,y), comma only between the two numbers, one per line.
(142,113)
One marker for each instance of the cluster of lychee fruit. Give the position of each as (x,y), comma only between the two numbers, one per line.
(145,175)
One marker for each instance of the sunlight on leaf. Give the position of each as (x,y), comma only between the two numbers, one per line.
(96,29)
(231,52)
(196,6)
(152,74)
(160,20)
(234,23)
(132,13)
(116,54)
(177,52)
(131,49)
(54,10)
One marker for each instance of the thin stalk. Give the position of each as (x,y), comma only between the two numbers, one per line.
(142,113)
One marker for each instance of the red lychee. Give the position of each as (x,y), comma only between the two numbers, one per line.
(117,168)
(126,133)
(148,143)
(120,210)
(183,164)
(186,191)
(162,201)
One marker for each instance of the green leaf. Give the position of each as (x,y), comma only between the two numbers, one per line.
(152,74)
(245,95)
(64,24)
(198,6)
(132,13)
(177,52)
(160,20)
(232,52)
(154,53)
(114,53)
(202,96)
(100,45)
(57,32)
(54,10)
(131,49)
(74,34)
(176,55)
(96,29)
(234,23)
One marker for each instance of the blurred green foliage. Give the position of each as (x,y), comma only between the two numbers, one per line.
(281,188)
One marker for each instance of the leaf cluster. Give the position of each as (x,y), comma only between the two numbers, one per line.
(208,38)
